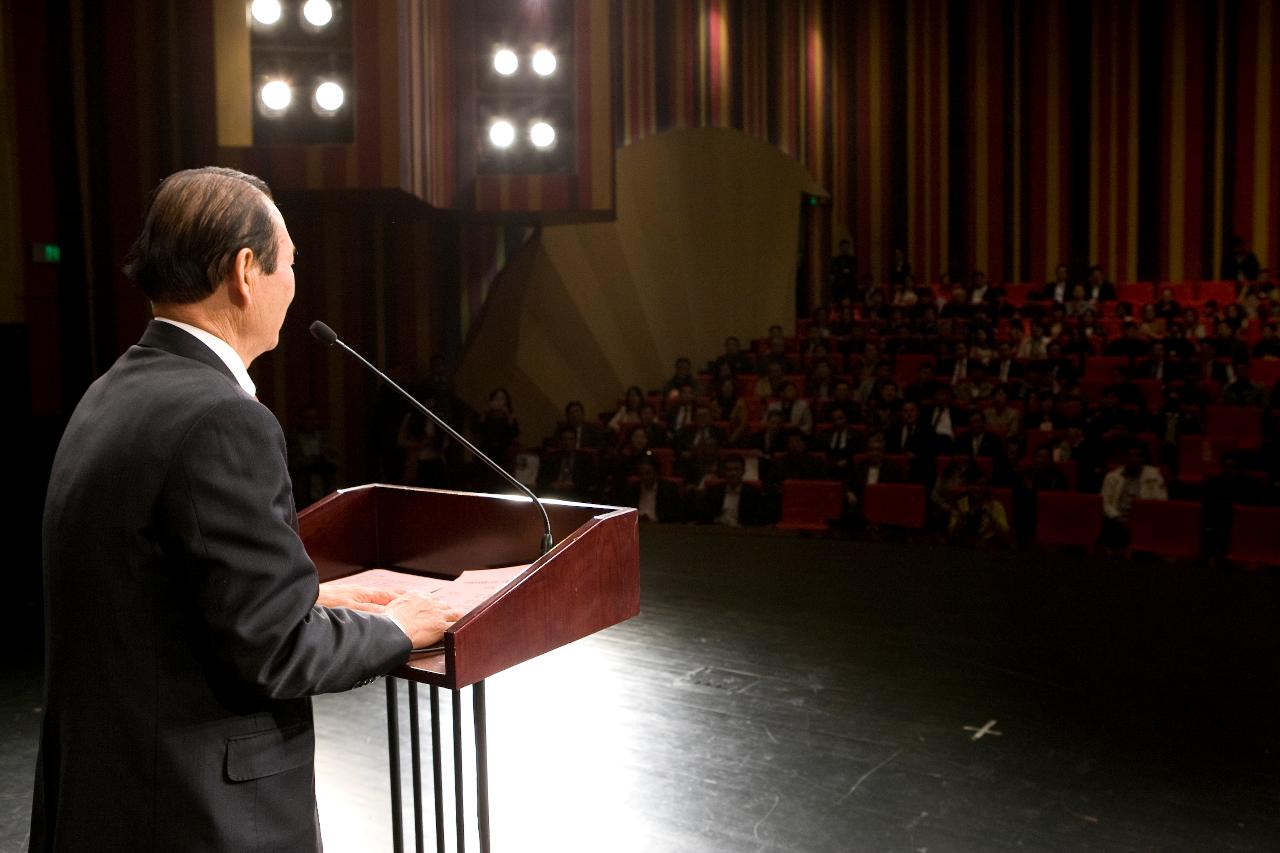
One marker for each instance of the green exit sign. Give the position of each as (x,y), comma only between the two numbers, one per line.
(46,253)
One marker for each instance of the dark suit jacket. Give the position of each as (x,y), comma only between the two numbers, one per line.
(182,634)
(751,505)
(583,468)
(667,504)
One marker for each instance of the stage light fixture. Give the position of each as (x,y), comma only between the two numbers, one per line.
(328,98)
(276,95)
(542,135)
(544,62)
(502,134)
(317,13)
(266,12)
(505,61)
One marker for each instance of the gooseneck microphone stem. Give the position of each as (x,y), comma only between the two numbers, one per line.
(326,335)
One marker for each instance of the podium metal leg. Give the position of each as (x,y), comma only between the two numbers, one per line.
(415,747)
(482,765)
(459,810)
(393,757)
(437,774)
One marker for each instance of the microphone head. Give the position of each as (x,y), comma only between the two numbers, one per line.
(323,333)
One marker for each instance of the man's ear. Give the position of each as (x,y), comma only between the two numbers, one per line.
(243,273)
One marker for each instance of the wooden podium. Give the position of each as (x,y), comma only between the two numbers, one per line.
(480,553)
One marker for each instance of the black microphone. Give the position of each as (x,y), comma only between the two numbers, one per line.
(326,335)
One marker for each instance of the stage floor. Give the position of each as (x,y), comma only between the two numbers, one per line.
(807,695)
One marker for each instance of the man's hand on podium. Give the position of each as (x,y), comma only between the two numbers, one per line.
(367,598)
(422,617)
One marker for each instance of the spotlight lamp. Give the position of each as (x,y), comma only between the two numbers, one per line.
(502,134)
(542,135)
(543,62)
(276,95)
(505,61)
(317,13)
(328,98)
(266,12)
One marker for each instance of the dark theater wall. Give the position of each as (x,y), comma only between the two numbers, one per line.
(1000,135)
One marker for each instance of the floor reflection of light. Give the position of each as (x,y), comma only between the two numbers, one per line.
(562,760)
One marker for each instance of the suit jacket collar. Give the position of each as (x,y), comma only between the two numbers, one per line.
(171,339)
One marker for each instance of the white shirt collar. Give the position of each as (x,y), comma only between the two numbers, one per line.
(222,350)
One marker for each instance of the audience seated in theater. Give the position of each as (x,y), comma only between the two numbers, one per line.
(882,407)
(622,465)
(655,429)
(1078,303)
(729,407)
(942,419)
(1222,493)
(978,443)
(956,307)
(683,376)
(1131,345)
(899,268)
(796,463)
(733,356)
(976,517)
(873,469)
(795,409)
(567,472)
(772,439)
(732,502)
(1098,289)
(842,397)
(1158,365)
(1269,346)
(778,353)
(1001,417)
(844,272)
(1150,324)
(1059,288)
(980,347)
(1167,308)
(840,443)
(1242,390)
(587,433)
(655,498)
(1003,368)
(1041,475)
(821,381)
(980,291)
(872,380)
(1135,480)
(680,412)
(1228,344)
(948,487)
(703,464)
(770,382)
(1125,390)
(628,414)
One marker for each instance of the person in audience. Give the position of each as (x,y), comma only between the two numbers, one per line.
(1231,487)
(728,406)
(702,465)
(628,414)
(1174,420)
(795,410)
(899,268)
(1228,344)
(840,443)
(873,469)
(796,463)
(1240,264)
(883,407)
(655,499)
(1268,347)
(957,307)
(975,387)
(587,434)
(942,418)
(844,272)
(949,486)
(1242,390)
(778,353)
(1157,365)
(655,429)
(683,376)
(733,356)
(567,472)
(681,412)
(842,397)
(956,368)
(1001,417)
(1130,344)
(769,384)
(1079,303)
(906,434)
(497,433)
(1004,370)
(702,430)
(1151,324)
(771,439)
(1059,289)
(733,502)
(1041,475)
(1125,390)
(923,388)
(1135,480)
(977,518)
(1167,308)
(821,381)
(979,443)
(1098,288)
(980,348)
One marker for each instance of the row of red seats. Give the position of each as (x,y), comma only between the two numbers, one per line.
(1063,519)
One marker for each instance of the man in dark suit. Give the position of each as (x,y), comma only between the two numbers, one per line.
(732,502)
(587,435)
(872,469)
(656,499)
(568,472)
(185,628)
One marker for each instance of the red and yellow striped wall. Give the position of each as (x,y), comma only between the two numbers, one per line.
(1004,136)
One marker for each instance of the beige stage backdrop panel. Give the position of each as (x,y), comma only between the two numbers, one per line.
(705,245)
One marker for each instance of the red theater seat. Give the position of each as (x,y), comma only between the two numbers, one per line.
(1253,535)
(1018,294)
(1136,292)
(1100,367)
(1241,425)
(1183,291)
(1068,518)
(810,504)
(1197,459)
(895,504)
(1221,292)
(907,367)
(1265,371)
(1171,528)
(666,458)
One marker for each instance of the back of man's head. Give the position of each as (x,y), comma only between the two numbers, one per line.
(197,222)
